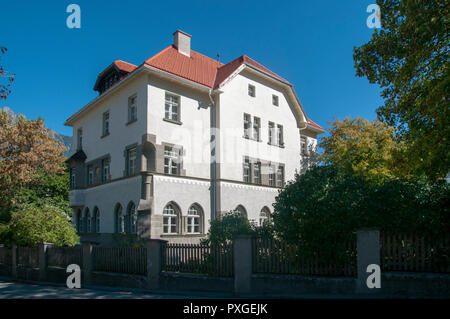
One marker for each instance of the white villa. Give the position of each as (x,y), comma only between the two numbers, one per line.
(175,142)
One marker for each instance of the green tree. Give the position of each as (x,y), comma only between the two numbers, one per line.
(363,148)
(33,224)
(409,58)
(321,209)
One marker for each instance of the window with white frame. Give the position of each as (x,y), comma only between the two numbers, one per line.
(275,100)
(105,170)
(131,222)
(257,173)
(247,171)
(280,138)
(194,220)
(303,145)
(96,220)
(271,175)
(256,128)
(80,139)
(170,219)
(105,123)
(119,219)
(251,90)
(271,133)
(171,160)
(264,216)
(87,218)
(72,178)
(280,176)
(132,109)
(172,107)
(131,161)
(247,125)
(90,174)
(78,221)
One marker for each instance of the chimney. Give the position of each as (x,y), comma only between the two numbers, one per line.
(182,42)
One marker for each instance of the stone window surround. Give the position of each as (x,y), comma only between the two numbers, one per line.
(264,175)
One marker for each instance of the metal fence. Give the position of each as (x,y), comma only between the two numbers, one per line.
(127,260)
(414,253)
(64,256)
(199,259)
(28,257)
(276,257)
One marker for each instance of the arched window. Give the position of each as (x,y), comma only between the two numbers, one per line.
(131,219)
(78,220)
(87,220)
(241,210)
(119,219)
(171,219)
(264,216)
(194,224)
(96,221)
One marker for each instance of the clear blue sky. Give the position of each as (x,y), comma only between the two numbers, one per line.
(310,43)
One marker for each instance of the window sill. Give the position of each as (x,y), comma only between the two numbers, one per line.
(180,235)
(105,135)
(251,139)
(172,121)
(130,122)
(280,146)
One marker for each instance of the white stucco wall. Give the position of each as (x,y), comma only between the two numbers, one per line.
(121,134)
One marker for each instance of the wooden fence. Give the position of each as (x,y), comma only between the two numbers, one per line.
(414,253)
(127,260)
(5,256)
(276,257)
(28,257)
(64,256)
(199,259)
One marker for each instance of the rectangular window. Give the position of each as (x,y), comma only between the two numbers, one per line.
(256,127)
(247,125)
(251,90)
(303,146)
(280,176)
(105,170)
(280,140)
(90,170)
(172,109)
(257,173)
(131,161)
(193,225)
(80,138)
(271,176)
(72,178)
(105,123)
(132,109)
(171,160)
(271,133)
(275,100)
(247,174)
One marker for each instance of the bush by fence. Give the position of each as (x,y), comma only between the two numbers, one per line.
(276,257)
(413,253)
(63,256)
(127,260)
(198,259)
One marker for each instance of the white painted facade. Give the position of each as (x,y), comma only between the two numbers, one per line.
(214,186)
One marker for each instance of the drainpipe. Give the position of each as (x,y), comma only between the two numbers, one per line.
(212,187)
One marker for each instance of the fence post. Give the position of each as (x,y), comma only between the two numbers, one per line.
(243,258)
(87,263)
(14,260)
(43,260)
(154,262)
(368,252)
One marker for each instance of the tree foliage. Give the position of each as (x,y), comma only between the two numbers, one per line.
(33,224)
(27,152)
(321,209)
(363,148)
(409,59)
(6,79)
(223,229)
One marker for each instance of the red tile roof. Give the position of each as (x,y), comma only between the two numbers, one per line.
(125,66)
(196,68)
(315,125)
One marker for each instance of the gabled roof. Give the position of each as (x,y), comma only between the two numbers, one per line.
(197,68)
(78,156)
(120,66)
